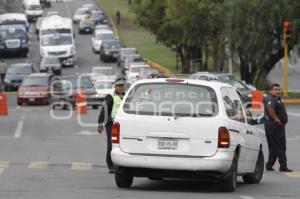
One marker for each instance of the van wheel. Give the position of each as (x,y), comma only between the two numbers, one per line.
(230,183)
(123,179)
(255,178)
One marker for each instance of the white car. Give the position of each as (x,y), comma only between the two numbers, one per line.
(177,128)
(99,36)
(81,14)
(104,87)
(134,71)
(100,27)
(102,73)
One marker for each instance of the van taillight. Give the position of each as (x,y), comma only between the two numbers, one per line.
(224,138)
(115,133)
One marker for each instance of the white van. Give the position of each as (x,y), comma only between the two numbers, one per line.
(56,37)
(175,128)
(33,9)
(99,36)
(15,16)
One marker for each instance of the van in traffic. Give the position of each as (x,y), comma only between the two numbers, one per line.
(57,39)
(33,9)
(176,128)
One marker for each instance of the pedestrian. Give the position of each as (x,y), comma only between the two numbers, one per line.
(107,115)
(3,69)
(118,15)
(276,120)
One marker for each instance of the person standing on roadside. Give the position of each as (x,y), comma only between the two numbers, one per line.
(3,70)
(118,15)
(276,120)
(107,115)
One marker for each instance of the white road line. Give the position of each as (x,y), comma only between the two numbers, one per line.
(18,132)
(246,197)
(294,114)
(1,171)
(84,132)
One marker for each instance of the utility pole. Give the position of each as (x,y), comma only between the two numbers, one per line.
(287,34)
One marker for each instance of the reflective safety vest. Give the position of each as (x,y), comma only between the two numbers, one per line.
(117,102)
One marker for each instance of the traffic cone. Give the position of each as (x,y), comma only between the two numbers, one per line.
(257,100)
(81,103)
(3,104)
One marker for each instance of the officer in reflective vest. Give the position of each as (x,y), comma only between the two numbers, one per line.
(107,115)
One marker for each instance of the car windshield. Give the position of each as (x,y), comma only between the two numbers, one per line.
(34,7)
(19,70)
(128,51)
(130,59)
(223,78)
(112,44)
(14,30)
(86,22)
(50,60)
(77,83)
(81,12)
(105,36)
(104,85)
(172,99)
(237,84)
(105,71)
(56,40)
(35,82)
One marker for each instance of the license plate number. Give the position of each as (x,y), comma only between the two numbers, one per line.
(31,99)
(167,144)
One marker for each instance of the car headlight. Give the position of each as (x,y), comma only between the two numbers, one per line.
(106,52)
(7,81)
(72,50)
(249,95)
(43,53)
(23,41)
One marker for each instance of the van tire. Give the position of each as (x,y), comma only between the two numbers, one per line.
(229,184)
(123,179)
(255,178)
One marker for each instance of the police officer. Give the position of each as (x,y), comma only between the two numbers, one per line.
(108,114)
(276,119)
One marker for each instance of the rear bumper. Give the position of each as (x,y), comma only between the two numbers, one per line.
(33,100)
(219,163)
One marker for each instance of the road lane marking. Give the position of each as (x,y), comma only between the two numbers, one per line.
(294,174)
(1,171)
(246,197)
(18,132)
(294,114)
(81,166)
(4,164)
(85,132)
(38,165)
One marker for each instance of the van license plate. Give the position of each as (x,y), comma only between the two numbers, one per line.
(167,144)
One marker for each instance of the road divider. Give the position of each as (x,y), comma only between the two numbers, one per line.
(81,103)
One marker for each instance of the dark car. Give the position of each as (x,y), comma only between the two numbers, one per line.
(15,75)
(98,17)
(35,89)
(65,89)
(86,26)
(110,50)
(51,64)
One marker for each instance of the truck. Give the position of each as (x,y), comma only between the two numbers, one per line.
(14,39)
(56,37)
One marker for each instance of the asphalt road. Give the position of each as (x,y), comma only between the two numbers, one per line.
(59,155)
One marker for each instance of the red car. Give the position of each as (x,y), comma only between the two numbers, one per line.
(35,89)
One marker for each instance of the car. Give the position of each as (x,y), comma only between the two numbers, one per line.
(242,88)
(35,89)
(134,71)
(80,14)
(86,26)
(52,64)
(145,72)
(104,87)
(102,73)
(101,27)
(99,36)
(131,59)
(65,88)
(110,49)
(46,3)
(15,75)
(38,25)
(88,6)
(98,17)
(125,52)
(184,128)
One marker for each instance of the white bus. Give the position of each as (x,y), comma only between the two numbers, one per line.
(57,39)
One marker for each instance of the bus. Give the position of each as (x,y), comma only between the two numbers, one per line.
(56,38)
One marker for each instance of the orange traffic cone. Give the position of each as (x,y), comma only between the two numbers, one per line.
(257,100)
(81,103)
(3,104)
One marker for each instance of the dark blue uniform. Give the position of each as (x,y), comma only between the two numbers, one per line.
(276,134)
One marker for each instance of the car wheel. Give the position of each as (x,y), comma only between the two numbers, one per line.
(123,179)
(255,178)
(229,184)
(95,106)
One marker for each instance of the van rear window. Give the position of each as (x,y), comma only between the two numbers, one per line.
(172,99)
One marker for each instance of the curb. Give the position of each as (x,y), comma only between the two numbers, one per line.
(154,65)
(291,101)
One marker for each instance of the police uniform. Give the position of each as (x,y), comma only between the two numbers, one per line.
(275,134)
(112,103)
